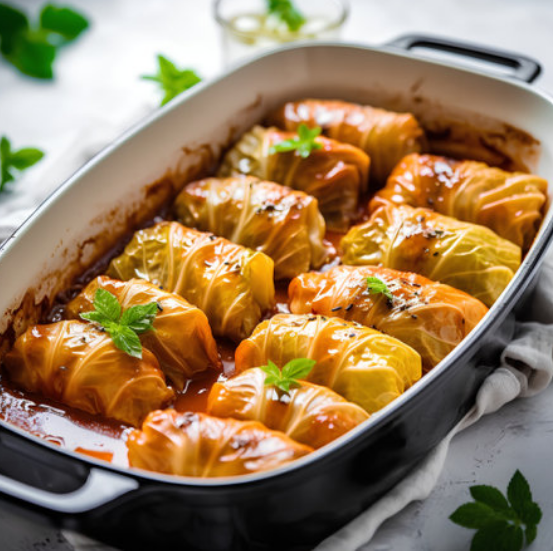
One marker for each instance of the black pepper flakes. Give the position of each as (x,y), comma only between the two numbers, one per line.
(414,316)
(349,307)
(159,306)
(436,253)
(335,309)
(351,335)
(417,285)
(212,237)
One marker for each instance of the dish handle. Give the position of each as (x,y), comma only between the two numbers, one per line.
(100,488)
(522,67)
(44,478)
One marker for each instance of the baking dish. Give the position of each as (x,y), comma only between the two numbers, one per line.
(496,119)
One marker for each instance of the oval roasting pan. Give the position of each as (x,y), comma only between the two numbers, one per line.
(297,505)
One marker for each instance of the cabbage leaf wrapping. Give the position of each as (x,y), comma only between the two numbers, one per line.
(181,341)
(466,256)
(385,136)
(362,365)
(509,203)
(432,318)
(76,364)
(232,285)
(311,414)
(196,444)
(335,175)
(267,217)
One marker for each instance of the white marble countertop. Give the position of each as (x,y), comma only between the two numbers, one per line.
(97,94)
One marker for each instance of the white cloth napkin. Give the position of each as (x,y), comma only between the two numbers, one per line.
(526,369)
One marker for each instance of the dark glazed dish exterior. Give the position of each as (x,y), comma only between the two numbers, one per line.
(293,507)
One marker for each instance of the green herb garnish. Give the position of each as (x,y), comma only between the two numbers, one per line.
(291,372)
(286,11)
(172,81)
(123,328)
(303,144)
(15,160)
(499,522)
(377,286)
(32,49)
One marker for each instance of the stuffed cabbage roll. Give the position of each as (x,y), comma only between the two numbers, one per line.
(336,174)
(311,414)
(76,364)
(384,135)
(181,341)
(466,256)
(362,365)
(509,203)
(196,444)
(432,318)
(232,285)
(284,224)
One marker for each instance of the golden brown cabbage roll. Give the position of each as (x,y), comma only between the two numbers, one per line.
(284,224)
(76,364)
(336,174)
(311,414)
(362,365)
(432,318)
(196,444)
(181,341)
(384,135)
(509,203)
(232,285)
(466,256)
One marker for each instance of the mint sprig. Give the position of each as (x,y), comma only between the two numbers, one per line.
(294,370)
(173,81)
(32,49)
(303,144)
(287,12)
(499,520)
(15,160)
(122,327)
(376,286)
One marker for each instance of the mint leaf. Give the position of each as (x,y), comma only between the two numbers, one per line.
(107,305)
(499,524)
(33,55)
(140,318)
(295,369)
(173,81)
(530,533)
(303,144)
(298,368)
(519,493)
(15,160)
(123,328)
(376,286)
(126,340)
(530,513)
(490,496)
(94,316)
(498,536)
(32,49)
(287,12)
(12,23)
(26,157)
(474,515)
(64,21)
